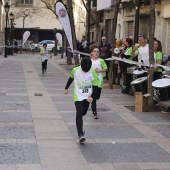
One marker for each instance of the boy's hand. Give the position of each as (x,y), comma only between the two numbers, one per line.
(97,70)
(90,99)
(66,91)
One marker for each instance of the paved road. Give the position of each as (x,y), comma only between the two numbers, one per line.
(37,124)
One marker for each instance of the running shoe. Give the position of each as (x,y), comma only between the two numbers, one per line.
(82,138)
(95,115)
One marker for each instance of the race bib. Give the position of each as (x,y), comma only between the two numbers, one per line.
(85,90)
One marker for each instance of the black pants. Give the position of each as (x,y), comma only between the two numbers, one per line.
(44,65)
(81,110)
(95,98)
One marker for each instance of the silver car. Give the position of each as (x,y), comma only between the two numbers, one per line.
(50,44)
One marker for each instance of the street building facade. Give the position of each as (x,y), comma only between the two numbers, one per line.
(126,20)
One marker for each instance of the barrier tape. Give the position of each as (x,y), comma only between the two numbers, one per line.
(7,46)
(167,68)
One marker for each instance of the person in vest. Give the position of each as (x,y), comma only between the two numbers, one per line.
(127,53)
(85,88)
(158,59)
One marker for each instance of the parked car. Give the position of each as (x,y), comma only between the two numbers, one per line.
(50,44)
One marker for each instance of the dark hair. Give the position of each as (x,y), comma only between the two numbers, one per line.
(93,47)
(159,46)
(86,64)
(130,41)
(142,35)
(45,44)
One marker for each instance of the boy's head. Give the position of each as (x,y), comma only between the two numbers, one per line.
(45,45)
(94,51)
(86,64)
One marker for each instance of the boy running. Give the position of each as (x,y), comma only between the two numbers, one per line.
(86,84)
(100,67)
(44,59)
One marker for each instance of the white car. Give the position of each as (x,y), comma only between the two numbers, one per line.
(50,44)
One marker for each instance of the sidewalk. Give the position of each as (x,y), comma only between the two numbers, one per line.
(38,132)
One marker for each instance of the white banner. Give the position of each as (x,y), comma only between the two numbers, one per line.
(25,37)
(65,21)
(59,38)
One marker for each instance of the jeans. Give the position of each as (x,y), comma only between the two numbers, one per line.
(97,97)
(44,65)
(81,110)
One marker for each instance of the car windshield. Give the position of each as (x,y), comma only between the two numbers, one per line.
(50,42)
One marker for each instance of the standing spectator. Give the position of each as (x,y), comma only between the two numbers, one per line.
(122,64)
(15,46)
(83,46)
(116,65)
(158,59)
(32,46)
(142,51)
(127,53)
(106,53)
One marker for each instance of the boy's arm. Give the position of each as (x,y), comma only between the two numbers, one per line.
(70,80)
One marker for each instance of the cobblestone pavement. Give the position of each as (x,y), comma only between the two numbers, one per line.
(38,132)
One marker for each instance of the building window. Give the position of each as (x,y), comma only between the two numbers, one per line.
(26,1)
(130,28)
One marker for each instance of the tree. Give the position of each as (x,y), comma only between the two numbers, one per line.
(116,10)
(70,8)
(96,21)
(24,13)
(151,53)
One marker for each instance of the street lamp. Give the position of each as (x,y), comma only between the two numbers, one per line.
(11,17)
(136,33)
(7,7)
(88,25)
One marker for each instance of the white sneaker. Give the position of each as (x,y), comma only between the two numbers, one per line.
(82,138)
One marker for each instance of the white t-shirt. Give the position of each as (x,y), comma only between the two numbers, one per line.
(143,54)
(45,56)
(96,64)
(83,82)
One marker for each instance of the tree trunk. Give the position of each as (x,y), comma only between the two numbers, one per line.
(22,33)
(151,53)
(69,2)
(116,10)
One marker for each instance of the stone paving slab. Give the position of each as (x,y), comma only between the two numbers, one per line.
(107,132)
(132,153)
(19,154)
(13,98)
(163,129)
(152,116)
(16,132)
(14,106)
(15,117)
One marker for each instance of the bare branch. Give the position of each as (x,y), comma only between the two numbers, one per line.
(90,14)
(49,8)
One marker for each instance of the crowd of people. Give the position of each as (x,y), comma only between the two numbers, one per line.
(88,77)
